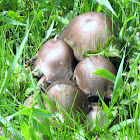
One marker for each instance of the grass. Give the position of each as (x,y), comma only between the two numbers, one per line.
(25,26)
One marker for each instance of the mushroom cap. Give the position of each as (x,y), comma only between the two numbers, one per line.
(68,96)
(85,32)
(97,114)
(89,82)
(28,102)
(55,60)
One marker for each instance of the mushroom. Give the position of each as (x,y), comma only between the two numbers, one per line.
(86,31)
(97,115)
(28,102)
(89,82)
(67,95)
(55,60)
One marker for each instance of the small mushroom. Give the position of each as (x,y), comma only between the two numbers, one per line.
(86,31)
(96,114)
(28,102)
(67,95)
(89,82)
(55,60)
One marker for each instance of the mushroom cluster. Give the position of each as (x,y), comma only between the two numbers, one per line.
(72,84)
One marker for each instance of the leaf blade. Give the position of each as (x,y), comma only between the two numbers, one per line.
(105,74)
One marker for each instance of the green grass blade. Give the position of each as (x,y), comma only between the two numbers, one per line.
(132,24)
(11,127)
(48,33)
(7,107)
(10,70)
(25,72)
(39,126)
(105,74)
(24,128)
(118,82)
(105,4)
(37,95)
(107,111)
(86,5)
(132,68)
(137,115)
(61,19)
(2,138)
(11,21)
(134,1)
(121,125)
(36,113)
(122,29)
(75,8)
(125,3)
(33,134)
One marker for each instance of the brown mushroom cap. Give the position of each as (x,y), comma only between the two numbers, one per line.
(96,114)
(89,82)
(55,60)
(86,31)
(29,101)
(67,94)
